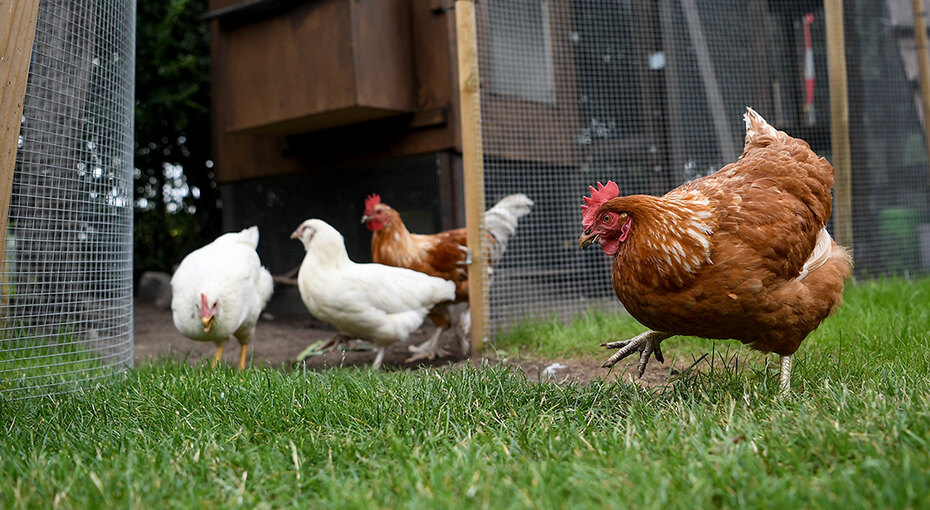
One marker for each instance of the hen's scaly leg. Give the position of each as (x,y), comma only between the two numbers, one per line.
(376,364)
(428,349)
(646,343)
(784,380)
(219,355)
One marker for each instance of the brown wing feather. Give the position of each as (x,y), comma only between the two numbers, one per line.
(773,202)
(438,254)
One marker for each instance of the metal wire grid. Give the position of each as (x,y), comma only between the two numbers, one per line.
(66,306)
(278,205)
(651,94)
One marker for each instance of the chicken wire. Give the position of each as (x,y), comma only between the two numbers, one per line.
(66,303)
(651,94)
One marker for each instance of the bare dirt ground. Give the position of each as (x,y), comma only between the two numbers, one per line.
(279,340)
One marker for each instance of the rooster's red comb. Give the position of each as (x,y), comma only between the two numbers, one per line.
(370,202)
(598,196)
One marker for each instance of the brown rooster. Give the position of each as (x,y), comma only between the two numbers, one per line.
(444,254)
(742,253)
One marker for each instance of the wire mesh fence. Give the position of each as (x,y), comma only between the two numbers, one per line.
(650,94)
(66,306)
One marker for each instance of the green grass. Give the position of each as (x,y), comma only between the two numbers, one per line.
(883,325)
(34,361)
(854,434)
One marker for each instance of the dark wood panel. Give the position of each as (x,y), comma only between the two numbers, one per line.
(335,117)
(353,87)
(314,59)
(241,157)
(383,54)
(289,66)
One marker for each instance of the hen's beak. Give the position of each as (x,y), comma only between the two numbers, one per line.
(587,239)
(295,234)
(207,323)
(365,218)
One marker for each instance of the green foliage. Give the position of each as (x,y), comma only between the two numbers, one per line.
(172,133)
(853,434)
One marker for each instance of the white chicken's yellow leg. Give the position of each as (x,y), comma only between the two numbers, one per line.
(784,380)
(219,355)
(243,350)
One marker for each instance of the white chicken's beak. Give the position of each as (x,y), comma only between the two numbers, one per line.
(207,323)
(295,234)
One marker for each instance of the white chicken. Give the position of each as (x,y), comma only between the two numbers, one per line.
(220,290)
(374,302)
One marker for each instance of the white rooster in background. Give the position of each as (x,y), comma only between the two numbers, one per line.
(220,290)
(374,302)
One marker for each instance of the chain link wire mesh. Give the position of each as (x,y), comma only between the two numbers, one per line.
(66,303)
(651,94)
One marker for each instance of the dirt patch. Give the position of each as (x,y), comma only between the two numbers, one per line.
(279,340)
(580,371)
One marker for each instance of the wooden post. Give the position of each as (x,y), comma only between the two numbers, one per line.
(17,31)
(920,38)
(473,161)
(839,123)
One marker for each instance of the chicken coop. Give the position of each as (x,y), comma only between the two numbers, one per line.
(444,107)
(67,68)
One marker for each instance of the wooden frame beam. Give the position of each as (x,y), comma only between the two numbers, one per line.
(839,123)
(473,160)
(17,31)
(920,39)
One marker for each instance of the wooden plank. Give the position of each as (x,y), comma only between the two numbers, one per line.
(383,42)
(17,32)
(432,126)
(839,122)
(315,65)
(920,37)
(472,156)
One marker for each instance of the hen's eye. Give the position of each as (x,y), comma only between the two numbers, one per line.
(606,218)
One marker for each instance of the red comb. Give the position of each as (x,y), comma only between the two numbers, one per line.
(598,196)
(370,202)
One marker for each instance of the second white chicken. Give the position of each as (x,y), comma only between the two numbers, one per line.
(378,303)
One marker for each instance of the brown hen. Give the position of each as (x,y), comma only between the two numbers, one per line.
(444,254)
(742,253)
